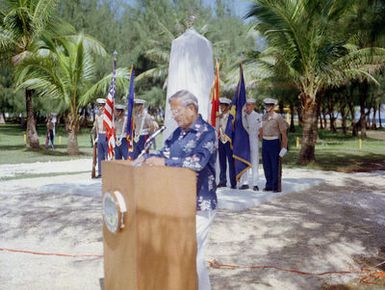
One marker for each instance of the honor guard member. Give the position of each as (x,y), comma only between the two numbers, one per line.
(121,146)
(144,126)
(273,125)
(101,137)
(252,122)
(225,153)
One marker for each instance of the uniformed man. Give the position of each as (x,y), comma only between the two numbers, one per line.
(121,146)
(225,152)
(251,121)
(101,137)
(273,125)
(145,125)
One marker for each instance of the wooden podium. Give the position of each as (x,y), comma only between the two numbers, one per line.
(156,249)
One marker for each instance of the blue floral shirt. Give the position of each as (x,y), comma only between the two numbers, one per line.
(195,149)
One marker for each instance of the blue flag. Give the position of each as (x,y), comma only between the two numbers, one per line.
(235,131)
(130,110)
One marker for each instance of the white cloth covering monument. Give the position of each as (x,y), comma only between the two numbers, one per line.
(191,68)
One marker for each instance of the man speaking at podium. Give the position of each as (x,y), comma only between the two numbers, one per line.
(192,145)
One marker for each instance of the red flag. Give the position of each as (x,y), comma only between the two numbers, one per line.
(215,99)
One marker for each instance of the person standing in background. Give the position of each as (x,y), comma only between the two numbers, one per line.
(121,146)
(251,121)
(101,138)
(273,125)
(145,125)
(225,153)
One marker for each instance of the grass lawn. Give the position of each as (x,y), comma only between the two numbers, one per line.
(334,151)
(13,150)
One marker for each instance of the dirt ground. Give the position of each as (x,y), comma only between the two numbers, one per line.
(337,225)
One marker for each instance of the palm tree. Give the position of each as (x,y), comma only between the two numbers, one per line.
(21,23)
(303,37)
(64,70)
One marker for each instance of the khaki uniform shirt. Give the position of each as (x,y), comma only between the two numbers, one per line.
(273,125)
(221,127)
(120,127)
(100,129)
(144,126)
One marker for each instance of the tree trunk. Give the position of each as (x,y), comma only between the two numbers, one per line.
(332,122)
(362,121)
(343,120)
(32,137)
(379,115)
(374,123)
(2,118)
(292,127)
(319,114)
(299,113)
(73,129)
(310,131)
(363,96)
(325,119)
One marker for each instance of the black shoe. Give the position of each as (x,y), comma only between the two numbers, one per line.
(221,185)
(276,190)
(233,187)
(245,186)
(267,189)
(98,176)
(256,188)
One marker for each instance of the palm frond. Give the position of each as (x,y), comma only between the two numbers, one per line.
(101,87)
(42,13)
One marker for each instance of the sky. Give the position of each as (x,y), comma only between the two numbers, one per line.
(240,6)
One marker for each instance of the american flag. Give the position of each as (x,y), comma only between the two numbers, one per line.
(108,116)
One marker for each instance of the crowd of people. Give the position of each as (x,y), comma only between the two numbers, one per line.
(144,126)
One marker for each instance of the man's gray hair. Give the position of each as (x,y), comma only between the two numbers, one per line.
(186,97)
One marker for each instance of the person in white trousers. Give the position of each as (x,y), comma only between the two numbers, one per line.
(251,121)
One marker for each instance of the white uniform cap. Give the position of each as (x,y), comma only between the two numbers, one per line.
(101,101)
(225,101)
(120,107)
(139,101)
(250,101)
(270,101)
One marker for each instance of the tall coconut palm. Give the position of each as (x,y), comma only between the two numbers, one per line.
(64,69)
(303,37)
(23,22)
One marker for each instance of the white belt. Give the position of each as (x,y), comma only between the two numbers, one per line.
(269,138)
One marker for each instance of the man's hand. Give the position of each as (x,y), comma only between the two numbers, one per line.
(155,161)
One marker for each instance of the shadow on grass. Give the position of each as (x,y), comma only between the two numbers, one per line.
(12,147)
(340,161)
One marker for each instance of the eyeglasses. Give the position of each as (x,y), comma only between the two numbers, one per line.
(176,112)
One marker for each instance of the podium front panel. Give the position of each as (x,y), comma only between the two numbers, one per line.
(157,248)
